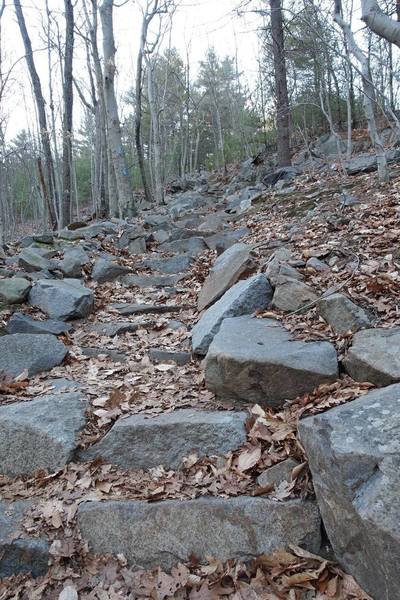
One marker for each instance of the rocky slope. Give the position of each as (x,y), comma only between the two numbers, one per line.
(173,389)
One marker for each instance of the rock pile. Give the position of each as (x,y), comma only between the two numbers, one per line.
(249,358)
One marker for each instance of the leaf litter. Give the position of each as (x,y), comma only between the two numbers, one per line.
(359,248)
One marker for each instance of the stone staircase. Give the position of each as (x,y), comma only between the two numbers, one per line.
(353,449)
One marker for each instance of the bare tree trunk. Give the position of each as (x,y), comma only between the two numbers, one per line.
(40,103)
(281,91)
(138,107)
(68,98)
(125,197)
(155,123)
(106,202)
(379,22)
(368,92)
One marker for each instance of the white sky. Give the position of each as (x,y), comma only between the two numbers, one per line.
(198,24)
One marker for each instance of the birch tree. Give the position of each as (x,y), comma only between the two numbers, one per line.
(379,22)
(369,98)
(68,99)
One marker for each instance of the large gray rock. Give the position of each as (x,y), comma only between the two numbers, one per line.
(375,356)
(89,231)
(164,533)
(18,552)
(138,442)
(364,163)
(291,294)
(134,239)
(278,266)
(14,290)
(342,314)
(192,246)
(40,434)
(31,260)
(37,238)
(31,352)
(186,202)
(20,323)
(73,261)
(229,267)
(107,270)
(175,264)
(354,456)
(244,298)
(64,300)
(256,360)
(328,146)
(225,239)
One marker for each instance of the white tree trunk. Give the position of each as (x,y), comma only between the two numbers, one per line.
(368,93)
(125,197)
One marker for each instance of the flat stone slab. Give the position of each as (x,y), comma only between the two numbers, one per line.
(342,314)
(20,323)
(144,309)
(32,260)
(32,352)
(191,246)
(138,442)
(375,356)
(163,533)
(18,552)
(41,433)
(174,264)
(114,328)
(229,267)
(354,456)
(14,290)
(62,299)
(107,270)
(95,352)
(244,298)
(223,240)
(258,361)
(73,261)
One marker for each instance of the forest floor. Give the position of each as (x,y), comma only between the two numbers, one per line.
(363,239)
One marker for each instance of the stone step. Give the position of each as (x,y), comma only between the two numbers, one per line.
(31,352)
(244,298)
(175,264)
(20,323)
(258,361)
(62,299)
(229,267)
(164,533)
(40,434)
(375,356)
(139,442)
